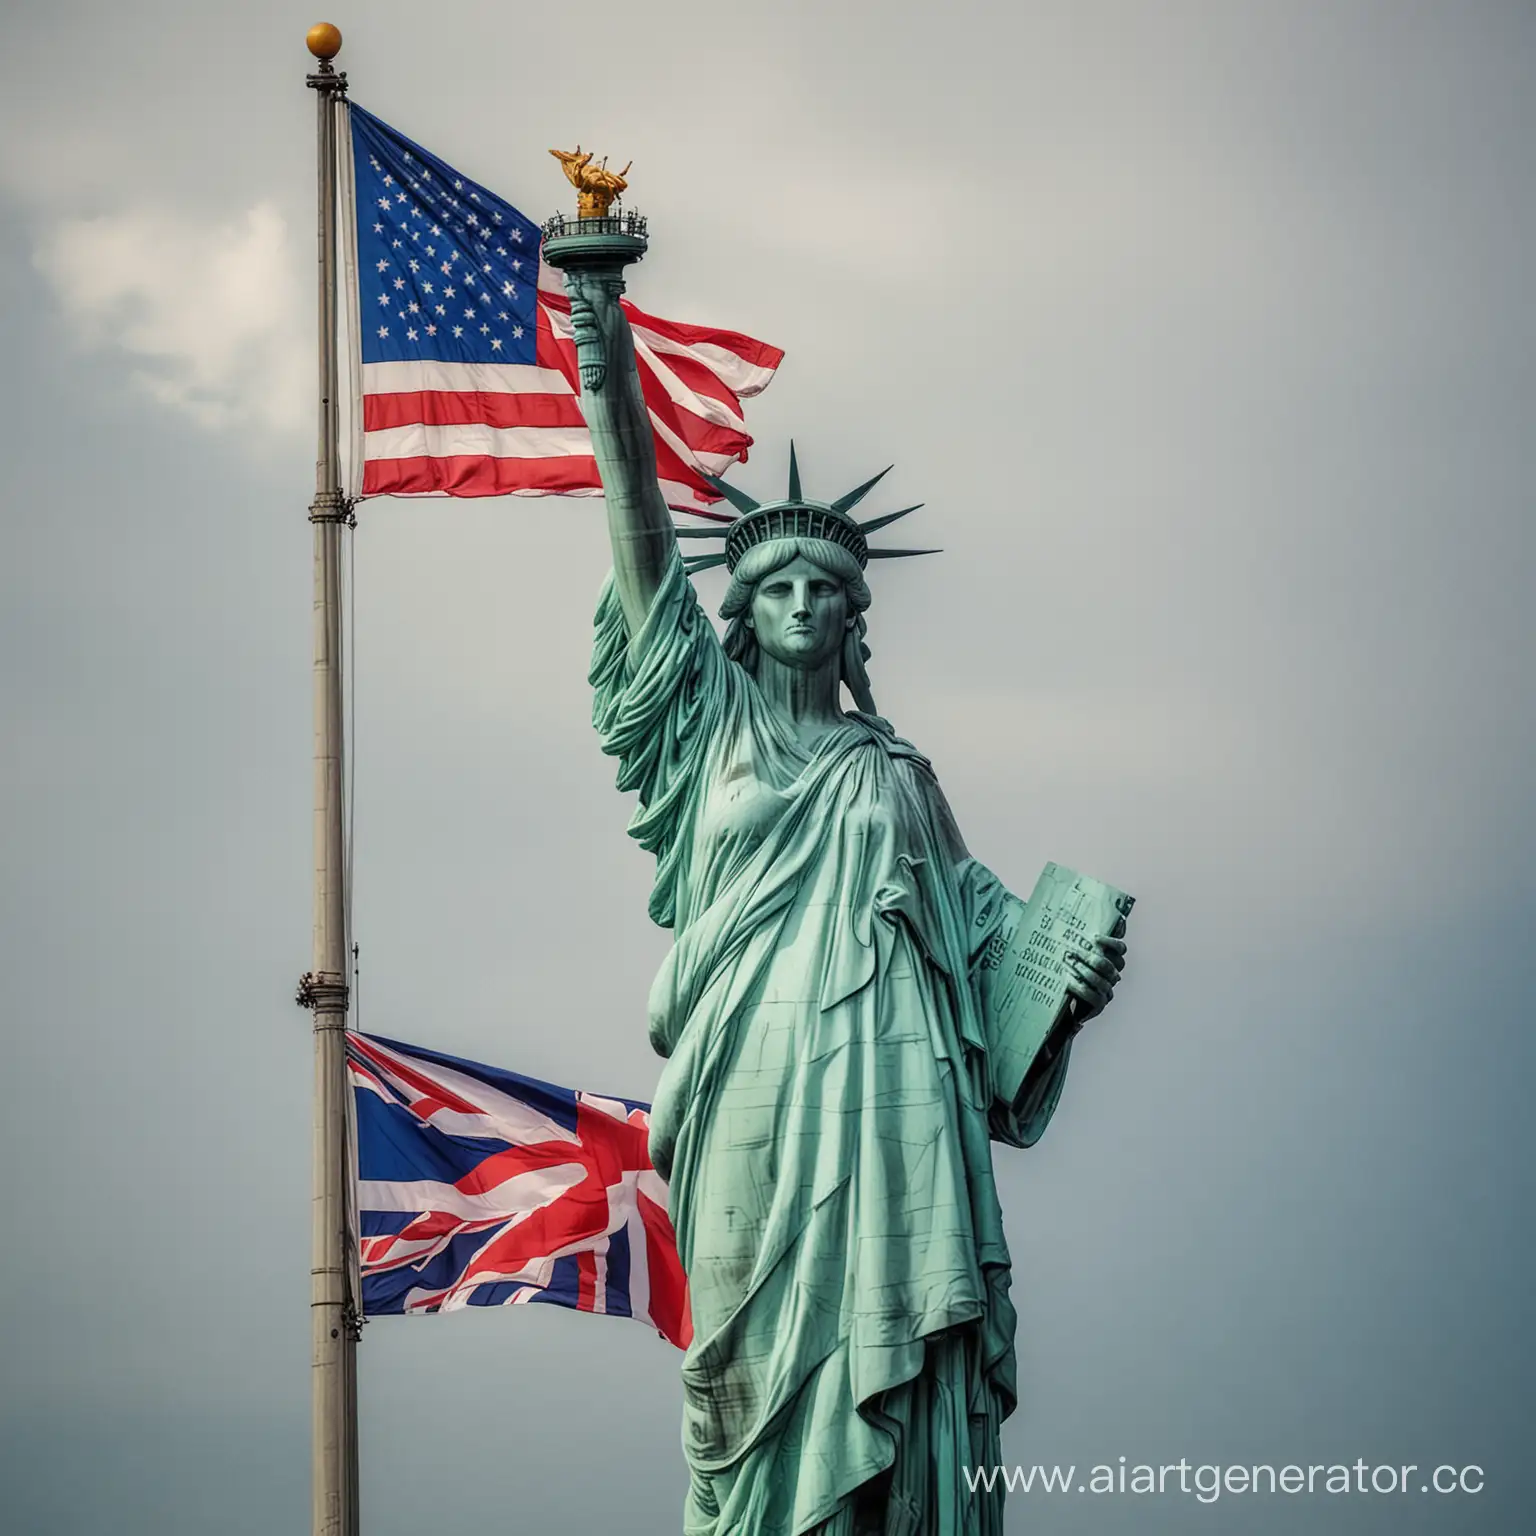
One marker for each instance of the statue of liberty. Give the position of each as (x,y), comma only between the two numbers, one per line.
(832,1082)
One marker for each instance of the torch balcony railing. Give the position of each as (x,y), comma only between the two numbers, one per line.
(620,223)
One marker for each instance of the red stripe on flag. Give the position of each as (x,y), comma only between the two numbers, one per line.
(669,1288)
(586,1281)
(670,465)
(526,1157)
(452,408)
(579,1216)
(480,475)
(700,435)
(548,352)
(759,353)
(434,1095)
(699,378)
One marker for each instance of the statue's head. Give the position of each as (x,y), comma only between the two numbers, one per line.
(797,590)
(800,601)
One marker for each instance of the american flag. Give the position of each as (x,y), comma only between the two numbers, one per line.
(480,1188)
(468,375)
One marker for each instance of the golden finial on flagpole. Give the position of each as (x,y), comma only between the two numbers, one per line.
(323,40)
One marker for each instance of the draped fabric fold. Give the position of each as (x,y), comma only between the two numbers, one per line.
(825,1114)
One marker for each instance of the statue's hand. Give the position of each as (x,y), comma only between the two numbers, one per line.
(1095,968)
(596,291)
(598,323)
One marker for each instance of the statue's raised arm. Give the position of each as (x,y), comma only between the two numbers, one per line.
(639,525)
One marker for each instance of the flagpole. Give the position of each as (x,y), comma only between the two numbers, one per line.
(334,1318)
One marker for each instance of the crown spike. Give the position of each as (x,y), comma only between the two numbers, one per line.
(738,499)
(721,532)
(901,554)
(854,497)
(890,517)
(693,563)
(794,473)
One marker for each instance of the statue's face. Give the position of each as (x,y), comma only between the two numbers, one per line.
(800,614)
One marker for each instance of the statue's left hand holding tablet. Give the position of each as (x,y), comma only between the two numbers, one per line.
(1095,968)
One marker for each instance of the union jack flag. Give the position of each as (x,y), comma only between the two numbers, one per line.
(481,1188)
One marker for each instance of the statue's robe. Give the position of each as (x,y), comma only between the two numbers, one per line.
(824,1115)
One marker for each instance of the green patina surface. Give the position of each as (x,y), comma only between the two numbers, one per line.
(839,1060)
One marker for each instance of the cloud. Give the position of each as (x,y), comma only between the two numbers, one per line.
(213,315)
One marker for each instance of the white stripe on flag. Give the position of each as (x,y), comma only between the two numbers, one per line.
(685,498)
(600,1275)
(512,1119)
(459,378)
(706,407)
(712,463)
(735,372)
(639,1269)
(472,439)
(517,1196)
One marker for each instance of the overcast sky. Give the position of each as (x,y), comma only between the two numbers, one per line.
(1205,332)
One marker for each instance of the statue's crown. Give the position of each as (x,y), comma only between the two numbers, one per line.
(795,517)
(794,520)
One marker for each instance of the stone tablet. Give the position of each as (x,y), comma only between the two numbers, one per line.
(1023,973)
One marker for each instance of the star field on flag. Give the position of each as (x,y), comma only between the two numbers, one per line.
(446,269)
